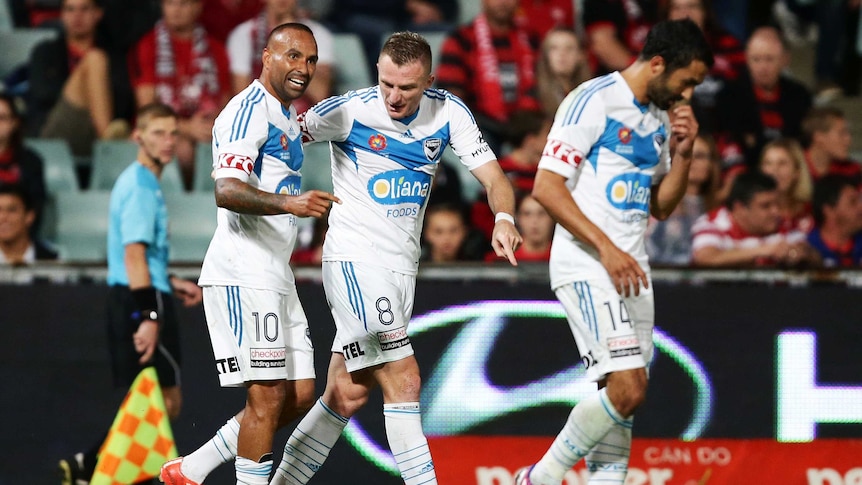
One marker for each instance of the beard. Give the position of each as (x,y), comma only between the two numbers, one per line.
(659,94)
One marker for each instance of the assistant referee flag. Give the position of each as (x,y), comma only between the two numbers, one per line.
(140,440)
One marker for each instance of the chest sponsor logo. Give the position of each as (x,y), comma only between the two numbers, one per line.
(377,142)
(289,185)
(400,187)
(630,191)
(432,148)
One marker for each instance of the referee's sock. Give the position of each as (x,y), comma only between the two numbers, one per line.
(309,445)
(408,443)
(221,448)
(589,422)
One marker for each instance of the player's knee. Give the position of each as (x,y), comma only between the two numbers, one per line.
(265,400)
(628,394)
(411,385)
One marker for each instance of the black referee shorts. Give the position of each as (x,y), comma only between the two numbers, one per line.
(121,328)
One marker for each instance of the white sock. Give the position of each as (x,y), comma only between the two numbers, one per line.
(221,448)
(408,444)
(309,445)
(250,472)
(608,461)
(588,423)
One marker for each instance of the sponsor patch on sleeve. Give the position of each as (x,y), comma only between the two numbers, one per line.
(239,162)
(564,152)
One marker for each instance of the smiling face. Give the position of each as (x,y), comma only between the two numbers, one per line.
(402,86)
(289,63)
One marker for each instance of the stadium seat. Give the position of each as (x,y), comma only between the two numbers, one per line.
(17,44)
(5,17)
(203,181)
(468,10)
(352,70)
(60,175)
(82,225)
(111,157)
(435,40)
(316,167)
(192,222)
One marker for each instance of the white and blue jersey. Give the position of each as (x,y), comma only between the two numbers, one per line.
(382,170)
(612,150)
(137,214)
(255,140)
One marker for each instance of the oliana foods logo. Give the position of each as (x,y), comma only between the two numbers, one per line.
(462,370)
(400,187)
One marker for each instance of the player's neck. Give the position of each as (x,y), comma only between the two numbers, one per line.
(637,76)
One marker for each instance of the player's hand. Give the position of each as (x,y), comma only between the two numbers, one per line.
(505,240)
(624,270)
(187,292)
(683,129)
(146,339)
(313,203)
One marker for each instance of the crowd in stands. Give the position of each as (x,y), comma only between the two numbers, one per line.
(772,182)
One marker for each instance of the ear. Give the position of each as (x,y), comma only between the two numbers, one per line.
(30,217)
(657,65)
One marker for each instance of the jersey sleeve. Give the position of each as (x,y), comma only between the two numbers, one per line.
(578,124)
(664,159)
(328,120)
(465,138)
(239,132)
(138,217)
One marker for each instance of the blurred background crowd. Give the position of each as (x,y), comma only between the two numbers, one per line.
(774,183)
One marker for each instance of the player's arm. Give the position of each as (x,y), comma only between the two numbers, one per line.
(671,189)
(235,195)
(505,238)
(551,191)
(146,338)
(716,257)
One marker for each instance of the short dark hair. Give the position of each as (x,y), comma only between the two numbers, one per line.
(747,185)
(17,190)
(288,26)
(827,191)
(678,42)
(819,119)
(522,123)
(406,47)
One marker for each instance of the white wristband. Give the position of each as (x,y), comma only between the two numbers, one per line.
(502,216)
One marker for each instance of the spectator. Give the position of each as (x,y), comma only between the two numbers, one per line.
(784,161)
(727,51)
(747,231)
(616,31)
(179,64)
(763,104)
(312,253)
(427,15)
(562,66)
(542,16)
(536,227)
(837,234)
(221,17)
(17,216)
(489,63)
(528,132)
(70,83)
(247,41)
(828,144)
(668,242)
(18,164)
(448,237)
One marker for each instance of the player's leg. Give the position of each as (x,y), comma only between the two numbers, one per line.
(402,417)
(609,342)
(315,435)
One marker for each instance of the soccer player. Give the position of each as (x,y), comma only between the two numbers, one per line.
(619,150)
(386,144)
(258,328)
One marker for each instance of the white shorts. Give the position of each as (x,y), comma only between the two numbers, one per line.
(371,307)
(613,333)
(257,335)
